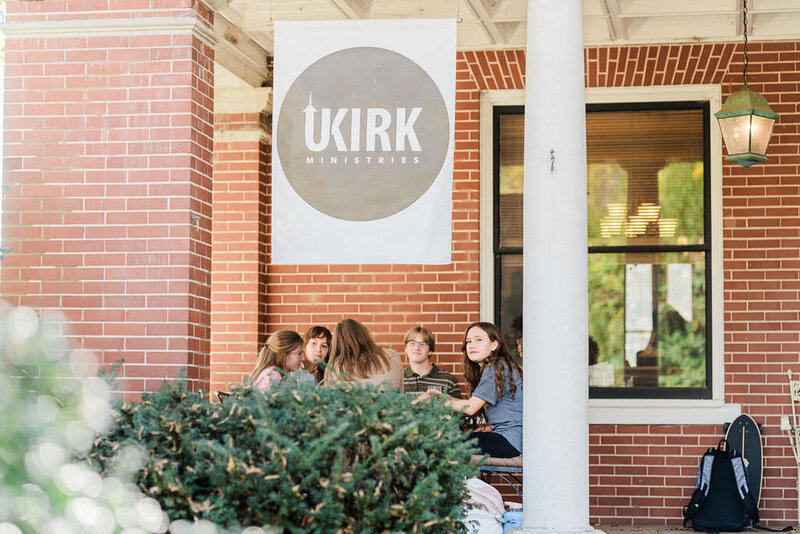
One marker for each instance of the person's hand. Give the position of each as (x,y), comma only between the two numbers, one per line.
(427,395)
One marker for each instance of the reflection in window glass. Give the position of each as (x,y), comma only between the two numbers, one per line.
(510,180)
(649,319)
(648,249)
(645,177)
(510,307)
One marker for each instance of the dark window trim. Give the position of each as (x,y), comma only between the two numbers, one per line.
(705,247)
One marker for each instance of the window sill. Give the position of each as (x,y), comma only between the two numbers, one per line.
(661,412)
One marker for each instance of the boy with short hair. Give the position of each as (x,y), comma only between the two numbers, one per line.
(422,374)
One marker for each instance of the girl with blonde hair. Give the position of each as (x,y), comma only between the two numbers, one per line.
(354,357)
(282,354)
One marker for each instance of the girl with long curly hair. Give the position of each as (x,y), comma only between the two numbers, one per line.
(494,384)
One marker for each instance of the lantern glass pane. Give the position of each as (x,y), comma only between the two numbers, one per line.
(762,131)
(736,133)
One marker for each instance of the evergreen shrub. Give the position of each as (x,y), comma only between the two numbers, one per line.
(300,458)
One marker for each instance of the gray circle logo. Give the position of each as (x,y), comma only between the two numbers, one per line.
(362,133)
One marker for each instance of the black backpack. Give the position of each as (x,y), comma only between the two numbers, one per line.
(722,498)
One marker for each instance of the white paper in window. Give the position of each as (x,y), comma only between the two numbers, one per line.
(679,289)
(638,297)
(635,342)
(638,309)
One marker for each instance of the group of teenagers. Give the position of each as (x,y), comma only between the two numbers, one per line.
(493,377)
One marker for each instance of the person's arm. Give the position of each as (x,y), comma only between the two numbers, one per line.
(469,406)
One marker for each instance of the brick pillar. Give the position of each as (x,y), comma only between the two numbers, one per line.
(239,229)
(107,175)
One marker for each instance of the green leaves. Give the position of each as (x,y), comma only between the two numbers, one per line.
(302,458)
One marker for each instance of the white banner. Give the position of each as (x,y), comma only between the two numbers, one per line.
(362,131)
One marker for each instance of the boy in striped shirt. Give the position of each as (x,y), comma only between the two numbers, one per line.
(422,374)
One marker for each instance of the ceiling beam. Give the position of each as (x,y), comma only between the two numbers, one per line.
(217,5)
(238,52)
(353,9)
(738,23)
(616,28)
(485,18)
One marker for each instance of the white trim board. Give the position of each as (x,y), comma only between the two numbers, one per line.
(113,26)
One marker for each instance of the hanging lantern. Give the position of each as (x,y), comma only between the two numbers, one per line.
(746,119)
(746,122)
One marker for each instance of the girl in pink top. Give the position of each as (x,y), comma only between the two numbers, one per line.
(282,354)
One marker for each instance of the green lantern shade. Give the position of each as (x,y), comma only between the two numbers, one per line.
(746,122)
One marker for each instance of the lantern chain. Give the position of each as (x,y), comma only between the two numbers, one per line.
(744,23)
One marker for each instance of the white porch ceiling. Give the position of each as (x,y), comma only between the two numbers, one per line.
(246,32)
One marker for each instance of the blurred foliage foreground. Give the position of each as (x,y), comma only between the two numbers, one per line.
(299,459)
(49,417)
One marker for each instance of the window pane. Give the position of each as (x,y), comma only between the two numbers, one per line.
(645,177)
(647,320)
(510,296)
(510,194)
(646,186)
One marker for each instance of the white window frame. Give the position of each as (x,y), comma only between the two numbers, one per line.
(627,411)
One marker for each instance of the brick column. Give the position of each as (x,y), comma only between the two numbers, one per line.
(239,229)
(107,175)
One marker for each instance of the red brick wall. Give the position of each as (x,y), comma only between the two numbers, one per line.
(761,214)
(63,10)
(108,202)
(239,248)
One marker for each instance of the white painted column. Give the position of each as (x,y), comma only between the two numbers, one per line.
(555,305)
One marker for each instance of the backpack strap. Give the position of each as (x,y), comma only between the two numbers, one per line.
(704,473)
(743,487)
(750,507)
(691,509)
(741,476)
(784,529)
(701,489)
